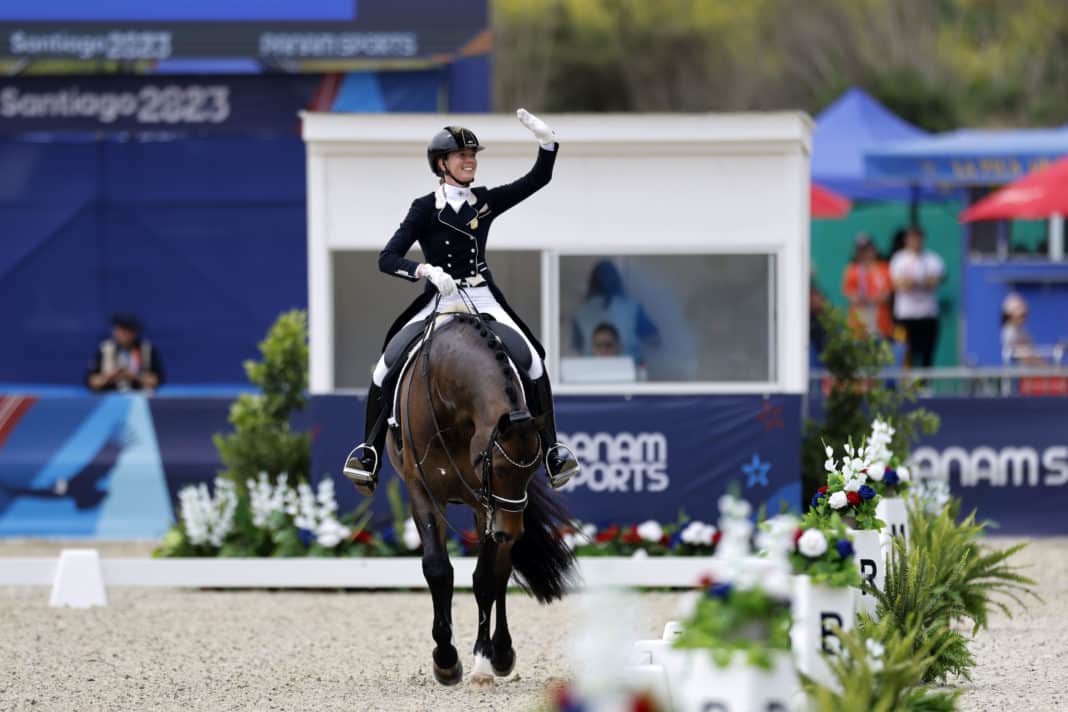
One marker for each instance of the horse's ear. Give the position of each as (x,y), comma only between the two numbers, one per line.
(513,419)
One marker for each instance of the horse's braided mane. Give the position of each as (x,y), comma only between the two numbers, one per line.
(493,344)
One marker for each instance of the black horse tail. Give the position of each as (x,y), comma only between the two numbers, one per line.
(544,565)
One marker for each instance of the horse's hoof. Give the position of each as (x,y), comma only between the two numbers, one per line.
(504,664)
(481,681)
(449,676)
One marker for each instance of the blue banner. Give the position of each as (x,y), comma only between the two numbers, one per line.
(1006,457)
(643,457)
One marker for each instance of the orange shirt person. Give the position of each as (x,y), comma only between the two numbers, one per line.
(867,285)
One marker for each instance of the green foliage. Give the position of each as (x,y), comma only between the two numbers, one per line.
(728,620)
(977,578)
(856,397)
(881,669)
(917,599)
(262,440)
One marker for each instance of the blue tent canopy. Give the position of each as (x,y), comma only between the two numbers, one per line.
(967,157)
(845,130)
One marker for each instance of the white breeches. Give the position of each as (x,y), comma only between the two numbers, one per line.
(486,304)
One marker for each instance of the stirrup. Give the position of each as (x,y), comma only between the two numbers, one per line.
(561,478)
(355,472)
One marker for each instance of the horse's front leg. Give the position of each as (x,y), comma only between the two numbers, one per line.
(485,586)
(448,670)
(503,658)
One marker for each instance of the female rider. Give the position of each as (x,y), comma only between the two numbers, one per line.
(451,226)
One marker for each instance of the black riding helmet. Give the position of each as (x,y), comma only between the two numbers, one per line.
(448,140)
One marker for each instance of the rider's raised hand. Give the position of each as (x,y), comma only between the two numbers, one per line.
(539,128)
(440,279)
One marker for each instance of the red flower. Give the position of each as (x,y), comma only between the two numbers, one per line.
(705,581)
(631,536)
(607,535)
(716,537)
(665,540)
(822,490)
(853,498)
(642,704)
(363,537)
(797,535)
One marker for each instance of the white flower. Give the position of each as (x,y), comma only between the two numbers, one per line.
(830,451)
(830,466)
(331,532)
(411,535)
(208,519)
(650,531)
(733,507)
(876,471)
(640,554)
(812,543)
(854,484)
(698,534)
(838,500)
(903,473)
(875,654)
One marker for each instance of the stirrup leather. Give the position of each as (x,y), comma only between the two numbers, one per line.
(561,478)
(354,469)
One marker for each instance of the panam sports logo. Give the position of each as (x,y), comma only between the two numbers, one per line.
(1004,467)
(619,462)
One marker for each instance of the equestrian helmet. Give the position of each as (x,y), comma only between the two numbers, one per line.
(449,140)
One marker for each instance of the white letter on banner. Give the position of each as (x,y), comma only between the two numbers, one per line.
(1055,459)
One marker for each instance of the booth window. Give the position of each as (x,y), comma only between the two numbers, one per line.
(666,318)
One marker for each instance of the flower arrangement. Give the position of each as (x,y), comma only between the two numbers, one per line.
(747,609)
(825,554)
(849,491)
(685,537)
(889,477)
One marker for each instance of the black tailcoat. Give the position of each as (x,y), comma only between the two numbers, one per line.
(456,242)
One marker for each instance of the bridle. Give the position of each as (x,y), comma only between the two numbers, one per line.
(484,495)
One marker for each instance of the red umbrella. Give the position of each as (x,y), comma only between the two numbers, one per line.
(1037,195)
(824,203)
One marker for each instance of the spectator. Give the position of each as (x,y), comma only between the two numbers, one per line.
(607,303)
(916,273)
(866,283)
(1016,343)
(817,335)
(125,361)
(606,341)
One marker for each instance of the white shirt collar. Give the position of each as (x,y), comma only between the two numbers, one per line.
(454,196)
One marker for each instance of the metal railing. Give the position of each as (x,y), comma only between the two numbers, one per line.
(995,381)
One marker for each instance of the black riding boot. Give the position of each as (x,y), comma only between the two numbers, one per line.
(560,462)
(363,470)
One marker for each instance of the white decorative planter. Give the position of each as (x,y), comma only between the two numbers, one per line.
(816,610)
(699,685)
(893,511)
(871,562)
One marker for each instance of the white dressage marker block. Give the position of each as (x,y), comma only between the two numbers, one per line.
(79,581)
(871,561)
(893,511)
(651,652)
(699,685)
(816,610)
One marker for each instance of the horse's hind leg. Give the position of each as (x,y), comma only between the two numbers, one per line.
(503,658)
(448,670)
(485,586)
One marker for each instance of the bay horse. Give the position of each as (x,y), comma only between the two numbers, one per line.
(466,437)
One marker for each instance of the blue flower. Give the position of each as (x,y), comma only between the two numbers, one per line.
(845,548)
(720,590)
(816,498)
(890,477)
(388,536)
(306,537)
(676,538)
(866,492)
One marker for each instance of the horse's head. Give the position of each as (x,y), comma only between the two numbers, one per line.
(515,456)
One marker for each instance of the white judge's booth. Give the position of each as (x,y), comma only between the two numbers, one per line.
(700,224)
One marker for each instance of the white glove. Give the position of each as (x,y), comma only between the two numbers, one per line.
(539,128)
(440,279)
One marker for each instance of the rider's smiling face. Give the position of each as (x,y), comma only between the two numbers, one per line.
(461,164)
